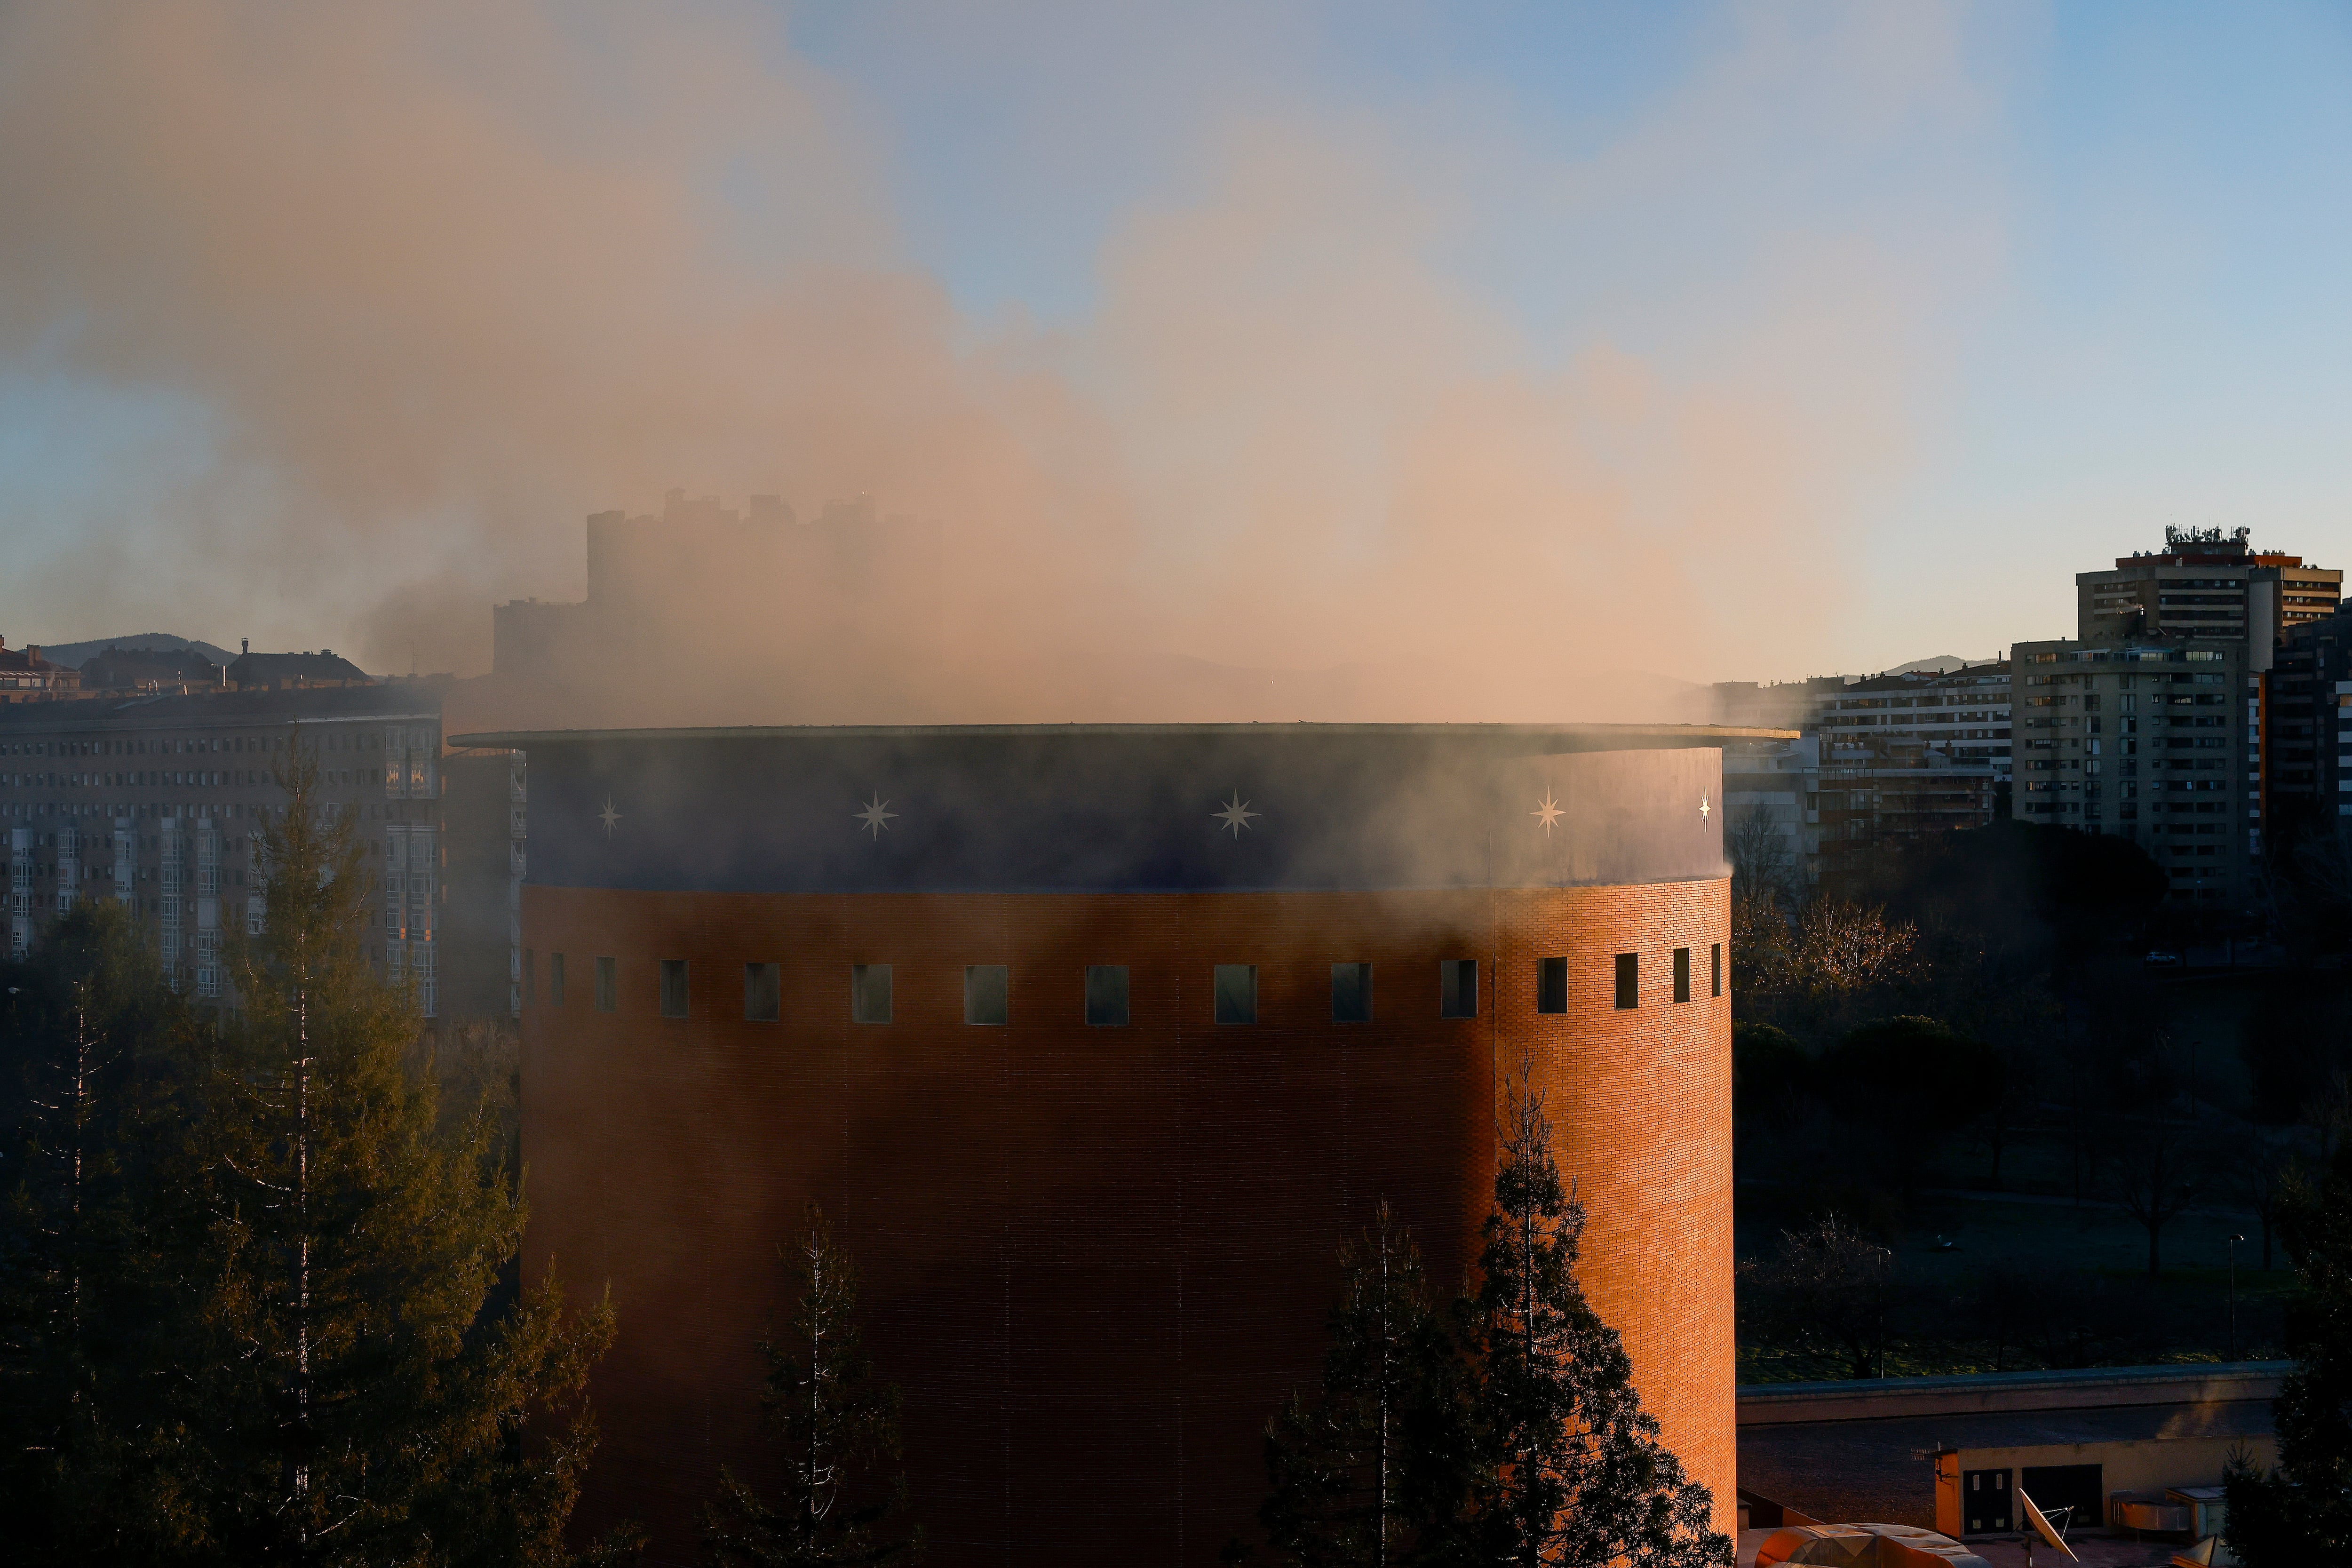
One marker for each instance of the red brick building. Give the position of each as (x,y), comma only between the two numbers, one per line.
(1095,1043)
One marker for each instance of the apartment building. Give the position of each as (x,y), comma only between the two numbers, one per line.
(157,804)
(1884,761)
(1774,704)
(2256,637)
(1950,718)
(2203,585)
(2157,741)
(1771,804)
(26,677)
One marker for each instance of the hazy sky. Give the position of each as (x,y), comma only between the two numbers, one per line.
(1721,342)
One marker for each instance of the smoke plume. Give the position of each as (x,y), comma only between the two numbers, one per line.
(343,318)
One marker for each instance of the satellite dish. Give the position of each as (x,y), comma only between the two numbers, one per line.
(2044,1528)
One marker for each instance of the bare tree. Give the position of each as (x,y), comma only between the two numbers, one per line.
(2002,1309)
(1830,1286)
(1844,947)
(2329,1112)
(1762,866)
(2259,1176)
(2155,1169)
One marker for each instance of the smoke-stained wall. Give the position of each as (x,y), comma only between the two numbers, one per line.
(1036,808)
(1097,1258)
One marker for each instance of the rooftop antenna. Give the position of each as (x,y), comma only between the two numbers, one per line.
(2039,1522)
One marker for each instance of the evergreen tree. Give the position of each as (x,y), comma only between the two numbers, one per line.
(84,1278)
(2301,1512)
(358,1405)
(1569,1472)
(838,1429)
(1357,1479)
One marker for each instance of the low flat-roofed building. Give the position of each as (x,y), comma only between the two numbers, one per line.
(2098,1478)
(1916,1450)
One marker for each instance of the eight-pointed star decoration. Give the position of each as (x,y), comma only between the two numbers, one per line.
(608,816)
(1547,811)
(877,819)
(1236,815)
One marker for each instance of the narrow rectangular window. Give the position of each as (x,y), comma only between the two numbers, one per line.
(530,978)
(555,979)
(987,993)
(608,986)
(869,992)
(673,987)
(1629,980)
(1682,974)
(1236,994)
(1551,986)
(764,991)
(1106,995)
(1457,988)
(1715,969)
(1351,993)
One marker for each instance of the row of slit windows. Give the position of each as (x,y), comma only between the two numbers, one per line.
(988,989)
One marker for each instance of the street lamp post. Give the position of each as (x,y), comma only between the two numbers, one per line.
(2233,1295)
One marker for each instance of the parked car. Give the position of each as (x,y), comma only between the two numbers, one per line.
(2162,960)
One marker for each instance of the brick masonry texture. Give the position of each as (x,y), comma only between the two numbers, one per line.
(1096,1259)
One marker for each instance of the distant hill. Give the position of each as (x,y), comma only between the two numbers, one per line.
(76,654)
(1940,664)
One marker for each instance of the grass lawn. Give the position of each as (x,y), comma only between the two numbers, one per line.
(2094,1255)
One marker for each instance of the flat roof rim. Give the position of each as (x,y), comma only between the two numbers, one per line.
(523,737)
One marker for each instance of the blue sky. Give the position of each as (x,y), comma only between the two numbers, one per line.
(2167,336)
(1969,298)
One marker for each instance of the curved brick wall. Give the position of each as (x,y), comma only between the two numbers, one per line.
(1096,1259)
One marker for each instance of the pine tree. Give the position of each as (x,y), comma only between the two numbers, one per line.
(2301,1512)
(1357,1479)
(838,1429)
(1570,1472)
(84,1282)
(360,1406)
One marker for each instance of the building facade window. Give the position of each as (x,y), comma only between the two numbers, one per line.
(869,992)
(1234,986)
(1551,986)
(1682,974)
(1715,969)
(608,986)
(1629,980)
(987,993)
(673,988)
(1106,995)
(1351,993)
(555,979)
(763,991)
(1457,988)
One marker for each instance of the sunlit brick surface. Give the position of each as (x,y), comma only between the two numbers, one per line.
(1095,1259)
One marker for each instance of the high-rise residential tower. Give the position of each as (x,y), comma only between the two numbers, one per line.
(2168,718)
